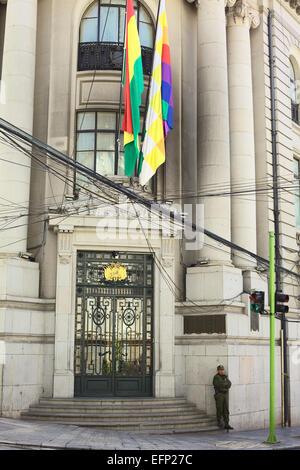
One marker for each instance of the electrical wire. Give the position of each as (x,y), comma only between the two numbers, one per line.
(67,162)
(171,283)
(230,193)
(50,169)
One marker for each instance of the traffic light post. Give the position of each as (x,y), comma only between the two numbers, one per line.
(272,437)
(277,307)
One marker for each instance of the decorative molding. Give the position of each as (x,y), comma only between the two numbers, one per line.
(65,258)
(65,228)
(167,262)
(223,339)
(167,247)
(167,252)
(255,18)
(27,338)
(28,304)
(230,3)
(241,12)
(65,238)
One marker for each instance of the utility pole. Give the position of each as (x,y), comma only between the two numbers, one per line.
(284,346)
(272,437)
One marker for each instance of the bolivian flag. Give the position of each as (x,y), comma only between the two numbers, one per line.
(134,87)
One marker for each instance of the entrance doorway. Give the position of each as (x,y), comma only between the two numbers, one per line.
(114,324)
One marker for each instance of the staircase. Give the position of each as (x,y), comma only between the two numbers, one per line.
(151,415)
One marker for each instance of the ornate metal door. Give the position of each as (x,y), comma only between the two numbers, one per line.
(113,339)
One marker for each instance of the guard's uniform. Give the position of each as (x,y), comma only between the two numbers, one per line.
(222,384)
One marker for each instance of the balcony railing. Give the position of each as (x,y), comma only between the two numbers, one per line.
(295,112)
(108,56)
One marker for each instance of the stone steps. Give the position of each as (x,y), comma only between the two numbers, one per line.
(163,415)
(114,401)
(109,417)
(114,410)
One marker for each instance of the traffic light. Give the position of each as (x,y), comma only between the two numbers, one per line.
(279,300)
(257,302)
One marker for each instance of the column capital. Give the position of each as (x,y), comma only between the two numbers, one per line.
(241,13)
(227,3)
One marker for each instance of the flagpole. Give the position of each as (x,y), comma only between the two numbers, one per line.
(149,86)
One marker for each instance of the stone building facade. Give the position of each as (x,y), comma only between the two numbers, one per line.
(54,296)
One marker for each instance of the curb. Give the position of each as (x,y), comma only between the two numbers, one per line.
(28,446)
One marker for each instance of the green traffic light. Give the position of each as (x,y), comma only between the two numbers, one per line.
(257,299)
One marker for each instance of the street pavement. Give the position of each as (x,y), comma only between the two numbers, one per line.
(21,434)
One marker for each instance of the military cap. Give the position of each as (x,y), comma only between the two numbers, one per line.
(220,367)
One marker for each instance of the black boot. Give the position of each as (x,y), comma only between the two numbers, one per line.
(227,426)
(220,425)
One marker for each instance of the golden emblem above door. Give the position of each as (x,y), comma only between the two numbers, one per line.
(115,272)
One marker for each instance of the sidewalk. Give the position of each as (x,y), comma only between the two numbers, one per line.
(45,435)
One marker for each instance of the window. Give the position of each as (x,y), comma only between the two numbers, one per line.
(97,145)
(297,191)
(102,31)
(293,91)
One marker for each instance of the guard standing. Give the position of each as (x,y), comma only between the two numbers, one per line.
(222,385)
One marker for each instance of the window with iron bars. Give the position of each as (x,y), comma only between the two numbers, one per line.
(102,31)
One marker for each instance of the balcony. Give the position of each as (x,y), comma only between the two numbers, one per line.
(108,56)
(295,112)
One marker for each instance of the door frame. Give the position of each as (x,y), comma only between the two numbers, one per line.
(114,384)
(80,233)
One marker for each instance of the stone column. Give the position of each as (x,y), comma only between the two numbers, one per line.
(240,19)
(213,124)
(215,270)
(17,101)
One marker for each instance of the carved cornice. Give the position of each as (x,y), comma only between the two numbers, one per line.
(242,13)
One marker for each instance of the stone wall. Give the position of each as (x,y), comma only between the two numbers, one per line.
(27,339)
(245,355)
